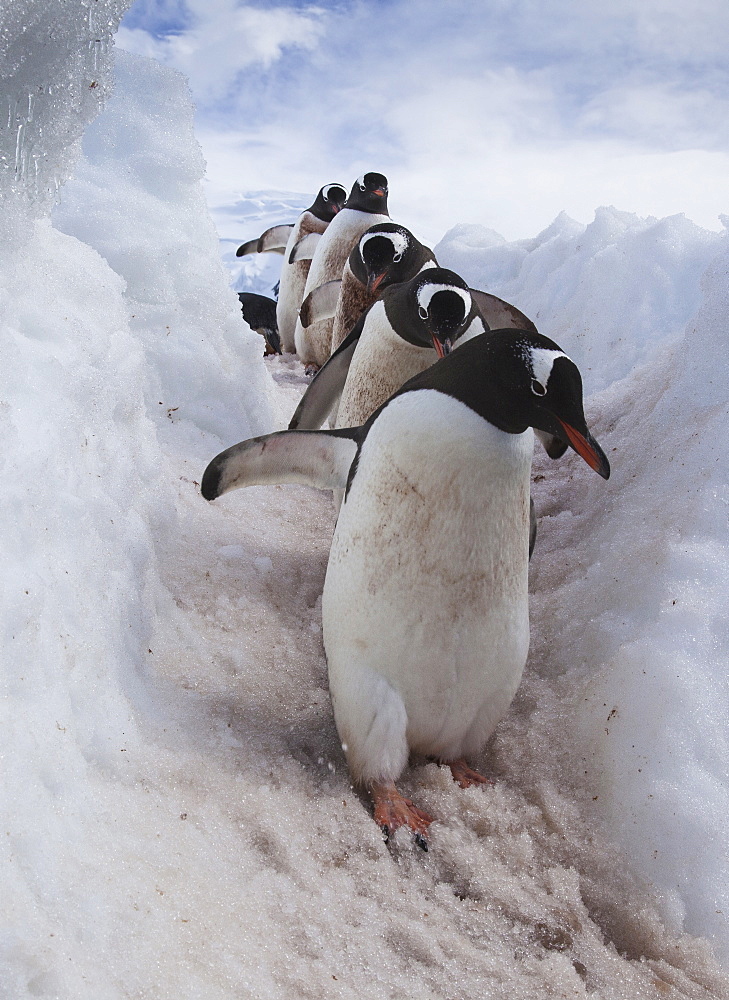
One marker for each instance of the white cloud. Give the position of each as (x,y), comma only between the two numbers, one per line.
(502,114)
(225,40)
(662,115)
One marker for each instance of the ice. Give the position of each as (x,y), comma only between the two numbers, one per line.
(177,818)
(55,75)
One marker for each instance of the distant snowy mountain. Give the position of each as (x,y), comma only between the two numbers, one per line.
(247,218)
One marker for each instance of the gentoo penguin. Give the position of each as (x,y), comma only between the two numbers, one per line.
(259,312)
(384,255)
(387,254)
(366,206)
(386,362)
(402,333)
(425,612)
(413,324)
(282,239)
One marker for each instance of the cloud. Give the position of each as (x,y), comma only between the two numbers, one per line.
(498,113)
(660,115)
(224,39)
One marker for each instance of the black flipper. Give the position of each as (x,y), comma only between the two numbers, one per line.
(305,248)
(311,458)
(320,303)
(274,240)
(499,314)
(325,389)
(532,526)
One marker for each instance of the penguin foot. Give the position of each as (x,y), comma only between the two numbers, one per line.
(311,369)
(465,776)
(393,810)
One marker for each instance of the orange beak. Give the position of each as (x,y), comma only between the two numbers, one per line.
(588,449)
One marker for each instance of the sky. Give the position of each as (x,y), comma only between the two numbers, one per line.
(501,114)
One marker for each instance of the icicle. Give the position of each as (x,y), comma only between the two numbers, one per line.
(95,50)
(19,151)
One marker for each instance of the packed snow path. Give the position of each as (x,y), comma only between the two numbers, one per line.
(294,892)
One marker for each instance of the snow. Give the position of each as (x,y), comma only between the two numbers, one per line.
(642,692)
(610,292)
(177,819)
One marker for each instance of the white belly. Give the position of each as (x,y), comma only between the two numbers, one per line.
(313,342)
(425,601)
(381,364)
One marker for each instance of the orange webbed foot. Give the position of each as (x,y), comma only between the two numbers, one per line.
(464,775)
(393,810)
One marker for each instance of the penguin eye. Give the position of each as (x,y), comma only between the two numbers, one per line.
(422,312)
(538,389)
(363,187)
(397,258)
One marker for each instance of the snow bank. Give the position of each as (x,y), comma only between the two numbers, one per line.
(628,693)
(609,292)
(136,197)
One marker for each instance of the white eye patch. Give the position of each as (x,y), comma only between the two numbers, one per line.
(328,188)
(399,241)
(541,361)
(361,182)
(426,292)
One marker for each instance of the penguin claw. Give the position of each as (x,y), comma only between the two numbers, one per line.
(393,810)
(419,839)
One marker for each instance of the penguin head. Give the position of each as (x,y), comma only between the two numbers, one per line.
(328,202)
(439,309)
(369,194)
(517,379)
(383,256)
